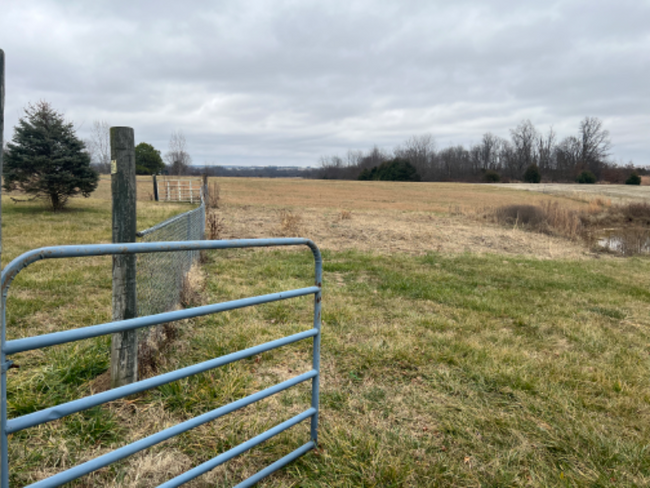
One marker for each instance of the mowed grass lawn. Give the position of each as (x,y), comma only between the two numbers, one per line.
(437,370)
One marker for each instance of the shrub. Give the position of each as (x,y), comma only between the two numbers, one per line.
(492,176)
(586,177)
(634,179)
(394,170)
(532,174)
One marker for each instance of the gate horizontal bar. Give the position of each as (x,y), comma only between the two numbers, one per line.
(53,413)
(152,440)
(236,451)
(280,463)
(55,338)
(57,252)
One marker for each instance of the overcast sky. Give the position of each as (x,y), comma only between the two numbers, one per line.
(267,82)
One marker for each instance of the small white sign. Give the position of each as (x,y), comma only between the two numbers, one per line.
(113,167)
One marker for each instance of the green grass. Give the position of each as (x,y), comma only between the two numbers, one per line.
(438,370)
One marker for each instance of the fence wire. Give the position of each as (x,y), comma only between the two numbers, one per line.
(160,275)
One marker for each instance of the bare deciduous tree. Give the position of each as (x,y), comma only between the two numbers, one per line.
(545,151)
(420,152)
(568,157)
(489,151)
(178,159)
(524,137)
(99,146)
(595,144)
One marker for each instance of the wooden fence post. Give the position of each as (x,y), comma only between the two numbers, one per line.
(2,130)
(204,189)
(4,465)
(124,345)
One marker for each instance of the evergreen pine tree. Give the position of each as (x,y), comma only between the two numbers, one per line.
(46,159)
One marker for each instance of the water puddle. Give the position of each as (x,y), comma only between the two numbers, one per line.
(626,241)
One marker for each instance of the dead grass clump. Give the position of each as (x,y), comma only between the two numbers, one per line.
(192,287)
(214,227)
(153,346)
(520,215)
(290,224)
(561,221)
(549,218)
(345,215)
(597,204)
(639,213)
(627,215)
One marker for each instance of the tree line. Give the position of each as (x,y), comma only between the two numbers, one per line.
(148,159)
(493,159)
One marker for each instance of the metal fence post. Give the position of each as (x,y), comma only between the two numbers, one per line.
(4,465)
(155,188)
(124,345)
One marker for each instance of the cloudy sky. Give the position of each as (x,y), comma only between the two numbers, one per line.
(264,82)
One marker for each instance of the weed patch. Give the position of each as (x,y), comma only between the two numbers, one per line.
(289,225)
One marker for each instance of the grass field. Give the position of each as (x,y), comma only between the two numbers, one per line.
(455,352)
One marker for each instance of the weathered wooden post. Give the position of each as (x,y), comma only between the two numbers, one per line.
(204,190)
(124,346)
(2,130)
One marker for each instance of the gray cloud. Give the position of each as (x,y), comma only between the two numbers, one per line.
(285,82)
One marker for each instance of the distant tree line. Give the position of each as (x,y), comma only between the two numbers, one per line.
(256,171)
(177,161)
(148,159)
(528,155)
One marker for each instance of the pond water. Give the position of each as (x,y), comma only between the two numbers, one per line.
(627,241)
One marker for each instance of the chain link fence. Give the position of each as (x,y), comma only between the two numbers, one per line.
(160,275)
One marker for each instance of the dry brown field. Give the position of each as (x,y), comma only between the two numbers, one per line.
(384,217)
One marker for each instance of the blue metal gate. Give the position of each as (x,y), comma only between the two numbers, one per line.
(9,426)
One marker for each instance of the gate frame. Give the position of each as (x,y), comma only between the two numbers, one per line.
(55,412)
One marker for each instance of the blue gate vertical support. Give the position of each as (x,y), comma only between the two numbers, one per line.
(315,390)
(4,441)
